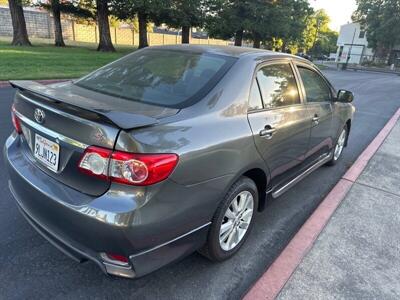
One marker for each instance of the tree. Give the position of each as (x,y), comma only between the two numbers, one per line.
(58,37)
(325,44)
(316,27)
(71,7)
(145,10)
(263,21)
(185,14)
(293,17)
(381,19)
(228,18)
(20,34)
(105,43)
(54,6)
(259,22)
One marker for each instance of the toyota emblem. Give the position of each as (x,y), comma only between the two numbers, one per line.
(39,115)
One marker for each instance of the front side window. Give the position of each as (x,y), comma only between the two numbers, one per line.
(315,86)
(278,86)
(169,78)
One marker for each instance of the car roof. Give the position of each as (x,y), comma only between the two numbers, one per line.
(233,51)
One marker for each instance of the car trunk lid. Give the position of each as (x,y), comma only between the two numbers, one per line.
(72,120)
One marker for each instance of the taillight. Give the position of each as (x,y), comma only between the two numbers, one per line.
(141,169)
(15,120)
(114,258)
(95,162)
(127,168)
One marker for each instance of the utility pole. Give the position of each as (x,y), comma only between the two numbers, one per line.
(351,47)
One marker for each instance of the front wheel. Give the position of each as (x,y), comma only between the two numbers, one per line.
(232,221)
(340,143)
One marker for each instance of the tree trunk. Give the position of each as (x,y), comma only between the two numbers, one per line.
(105,43)
(185,34)
(58,37)
(20,34)
(142,30)
(256,41)
(283,48)
(239,37)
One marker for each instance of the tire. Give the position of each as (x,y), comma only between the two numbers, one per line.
(340,142)
(243,192)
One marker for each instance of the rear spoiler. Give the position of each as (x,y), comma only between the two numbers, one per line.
(123,120)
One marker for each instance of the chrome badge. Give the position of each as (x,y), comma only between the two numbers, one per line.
(39,115)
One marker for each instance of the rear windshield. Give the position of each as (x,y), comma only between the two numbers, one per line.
(169,78)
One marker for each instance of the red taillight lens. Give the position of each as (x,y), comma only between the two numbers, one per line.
(127,168)
(15,120)
(114,258)
(117,257)
(141,169)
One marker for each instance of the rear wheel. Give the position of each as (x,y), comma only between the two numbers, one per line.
(340,144)
(232,221)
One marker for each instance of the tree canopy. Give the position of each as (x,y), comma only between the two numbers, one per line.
(381,19)
(274,24)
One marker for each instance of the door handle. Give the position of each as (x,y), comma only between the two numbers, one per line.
(315,119)
(267,132)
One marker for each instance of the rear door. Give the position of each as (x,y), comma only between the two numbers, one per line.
(318,96)
(279,120)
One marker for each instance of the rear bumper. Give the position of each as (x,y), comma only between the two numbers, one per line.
(112,223)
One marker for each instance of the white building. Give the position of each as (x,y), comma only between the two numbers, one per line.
(353,45)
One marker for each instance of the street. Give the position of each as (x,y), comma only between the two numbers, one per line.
(32,267)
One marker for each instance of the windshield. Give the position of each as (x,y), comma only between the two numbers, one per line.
(169,78)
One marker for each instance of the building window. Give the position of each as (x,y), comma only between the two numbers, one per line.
(362,34)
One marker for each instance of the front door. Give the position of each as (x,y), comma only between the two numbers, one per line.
(279,120)
(318,96)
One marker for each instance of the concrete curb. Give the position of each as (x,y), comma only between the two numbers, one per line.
(274,279)
(4,84)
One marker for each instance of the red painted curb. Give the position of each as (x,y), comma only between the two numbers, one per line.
(359,165)
(274,279)
(46,81)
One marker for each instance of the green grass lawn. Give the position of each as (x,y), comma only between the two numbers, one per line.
(43,61)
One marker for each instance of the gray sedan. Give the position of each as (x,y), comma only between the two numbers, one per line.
(169,150)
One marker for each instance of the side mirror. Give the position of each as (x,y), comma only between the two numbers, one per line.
(344,96)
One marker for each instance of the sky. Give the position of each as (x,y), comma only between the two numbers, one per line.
(339,11)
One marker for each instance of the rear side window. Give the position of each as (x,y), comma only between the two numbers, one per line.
(255,101)
(278,86)
(169,78)
(315,86)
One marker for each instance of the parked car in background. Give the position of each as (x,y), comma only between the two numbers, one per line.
(322,57)
(305,56)
(169,150)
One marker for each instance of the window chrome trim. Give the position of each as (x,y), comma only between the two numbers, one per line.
(51,133)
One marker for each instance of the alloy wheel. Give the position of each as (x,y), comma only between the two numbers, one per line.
(236,220)
(339,145)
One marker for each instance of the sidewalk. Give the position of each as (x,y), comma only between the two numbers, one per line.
(350,247)
(357,255)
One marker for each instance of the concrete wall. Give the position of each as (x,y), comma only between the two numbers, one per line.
(38,23)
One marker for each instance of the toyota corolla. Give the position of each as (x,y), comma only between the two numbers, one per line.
(169,150)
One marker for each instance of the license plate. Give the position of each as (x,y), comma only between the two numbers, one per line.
(47,152)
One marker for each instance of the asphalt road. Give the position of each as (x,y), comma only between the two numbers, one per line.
(31,267)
